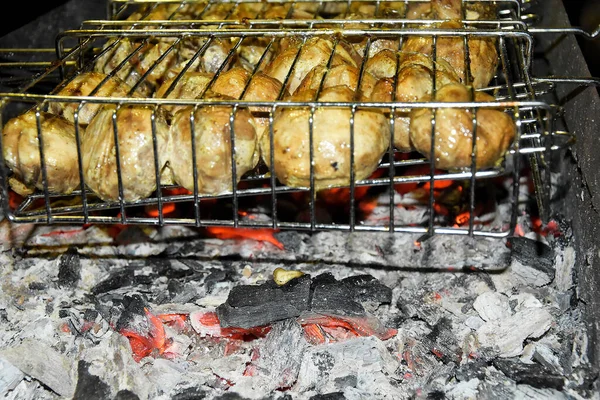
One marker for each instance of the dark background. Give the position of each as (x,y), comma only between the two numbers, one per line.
(67,14)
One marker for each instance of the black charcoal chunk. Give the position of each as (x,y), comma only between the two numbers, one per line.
(346,381)
(436,395)
(132,308)
(530,374)
(251,316)
(326,278)
(89,387)
(230,396)
(366,288)
(533,253)
(329,396)
(126,395)
(296,292)
(69,269)
(256,305)
(471,370)
(192,393)
(159,266)
(335,299)
(291,240)
(117,280)
(215,277)
(90,314)
(37,286)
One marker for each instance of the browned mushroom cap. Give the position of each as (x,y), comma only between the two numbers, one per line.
(231,83)
(382,64)
(316,51)
(136,152)
(21,150)
(414,83)
(483,56)
(262,88)
(382,92)
(283,11)
(154,58)
(415,76)
(454,131)
(331,142)
(189,86)
(340,75)
(89,84)
(213,147)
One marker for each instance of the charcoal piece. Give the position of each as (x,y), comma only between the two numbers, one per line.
(182,269)
(296,292)
(251,316)
(229,396)
(529,374)
(191,393)
(160,266)
(174,287)
(471,370)
(335,299)
(89,386)
(366,288)
(326,278)
(90,314)
(130,235)
(132,308)
(69,269)
(346,381)
(291,240)
(36,286)
(215,277)
(126,395)
(143,279)
(329,396)
(117,280)
(257,305)
(436,395)
(533,253)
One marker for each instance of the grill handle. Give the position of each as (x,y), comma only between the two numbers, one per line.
(595,34)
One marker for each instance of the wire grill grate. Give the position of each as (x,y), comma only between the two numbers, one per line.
(452,201)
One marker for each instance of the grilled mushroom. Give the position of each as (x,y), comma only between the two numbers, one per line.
(495,131)
(298,60)
(330,139)
(89,84)
(21,150)
(213,147)
(136,162)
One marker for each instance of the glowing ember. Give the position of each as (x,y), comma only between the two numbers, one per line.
(143,344)
(14,200)
(519,230)
(462,218)
(208,324)
(168,208)
(153,211)
(258,234)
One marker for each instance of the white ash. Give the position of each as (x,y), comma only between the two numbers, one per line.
(358,367)
(492,306)
(458,305)
(44,364)
(10,376)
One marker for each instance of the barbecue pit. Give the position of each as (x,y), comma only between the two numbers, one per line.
(465,253)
